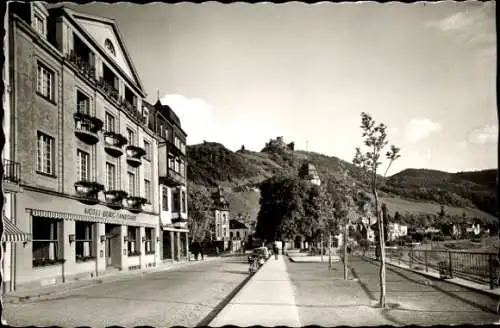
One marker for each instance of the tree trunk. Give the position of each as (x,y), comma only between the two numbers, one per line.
(382,250)
(330,251)
(321,248)
(345,252)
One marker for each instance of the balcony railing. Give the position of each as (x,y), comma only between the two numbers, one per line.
(113,143)
(108,89)
(172,179)
(134,155)
(87,127)
(132,110)
(11,171)
(88,190)
(114,198)
(134,203)
(83,66)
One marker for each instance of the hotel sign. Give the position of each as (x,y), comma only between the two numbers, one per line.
(108,214)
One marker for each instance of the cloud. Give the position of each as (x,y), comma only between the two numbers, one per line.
(461,144)
(197,117)
(487,134)
(418,129)
(475,25)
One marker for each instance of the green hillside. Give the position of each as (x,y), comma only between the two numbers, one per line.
(410,191)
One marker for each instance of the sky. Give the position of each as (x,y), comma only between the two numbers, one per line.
(241,74)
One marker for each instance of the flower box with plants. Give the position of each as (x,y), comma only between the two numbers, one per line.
(114,139)
(135,202)
(135,151)
(115,195)
(87,122)
(88,188)
(150,253)
(47,262)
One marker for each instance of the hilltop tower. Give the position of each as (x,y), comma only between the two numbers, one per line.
(308,172)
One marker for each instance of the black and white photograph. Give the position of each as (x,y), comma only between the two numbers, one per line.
(274,164)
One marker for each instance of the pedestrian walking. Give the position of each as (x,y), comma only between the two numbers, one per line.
(275,250)
(202,252)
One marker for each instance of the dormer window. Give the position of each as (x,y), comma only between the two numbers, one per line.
(145,115)
(39,24)
(109,46)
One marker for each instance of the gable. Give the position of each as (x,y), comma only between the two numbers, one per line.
(101,32)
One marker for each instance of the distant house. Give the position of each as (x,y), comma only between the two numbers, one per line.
(238,230)
(279,144)
(221,212)
(473,227)
(397,230)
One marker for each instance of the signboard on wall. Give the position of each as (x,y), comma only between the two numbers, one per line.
(108,214)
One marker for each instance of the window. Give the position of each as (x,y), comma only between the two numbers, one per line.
(45,154)
(131,184)
(110,176)
(147,190)
(182,171)
(183,201)
(145,115)
(45,234)
(162,130)
(132,242)
(131,137)
(45,82)
(83,165)
(150,246)
(109,46)
(164,197)
(39,24)
(167,132)
(83,240)
(171,162)
(109,123)
(82,103)
(147,148)
(177,165)
(176,201)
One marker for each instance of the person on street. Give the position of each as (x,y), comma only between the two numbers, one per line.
(275,250)
(202,251)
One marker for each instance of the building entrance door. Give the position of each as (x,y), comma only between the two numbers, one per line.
(108,252)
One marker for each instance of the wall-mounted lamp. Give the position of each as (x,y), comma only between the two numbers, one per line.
(143,239)
(103,238)
(157,239)
(125,239)
(71,238)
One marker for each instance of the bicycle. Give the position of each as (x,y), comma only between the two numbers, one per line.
(254,265)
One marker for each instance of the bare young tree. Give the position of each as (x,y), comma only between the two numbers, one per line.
(375,140)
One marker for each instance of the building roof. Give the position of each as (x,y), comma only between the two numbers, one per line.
(235,224)
(168,113)
(80,19)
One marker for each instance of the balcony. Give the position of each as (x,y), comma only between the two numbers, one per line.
(113,143)
(174,149)
(11,176)
(132,110)
(114,198)
(87,191)
(172,179)
(134,204)
(83,67)
(87,127)
(134,155)
(107,88)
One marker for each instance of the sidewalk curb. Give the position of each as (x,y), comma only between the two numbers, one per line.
(85,283)
(427,274)
(205,322)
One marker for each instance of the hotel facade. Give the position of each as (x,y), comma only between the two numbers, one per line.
(94,165)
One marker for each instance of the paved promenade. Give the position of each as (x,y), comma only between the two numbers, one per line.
(266,300)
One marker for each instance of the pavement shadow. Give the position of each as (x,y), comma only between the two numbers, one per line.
(407,276)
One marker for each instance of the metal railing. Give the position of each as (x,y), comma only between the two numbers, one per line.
(11,171)
(481,268)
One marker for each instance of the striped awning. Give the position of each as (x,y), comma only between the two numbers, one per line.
(11,233)
(87,218)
